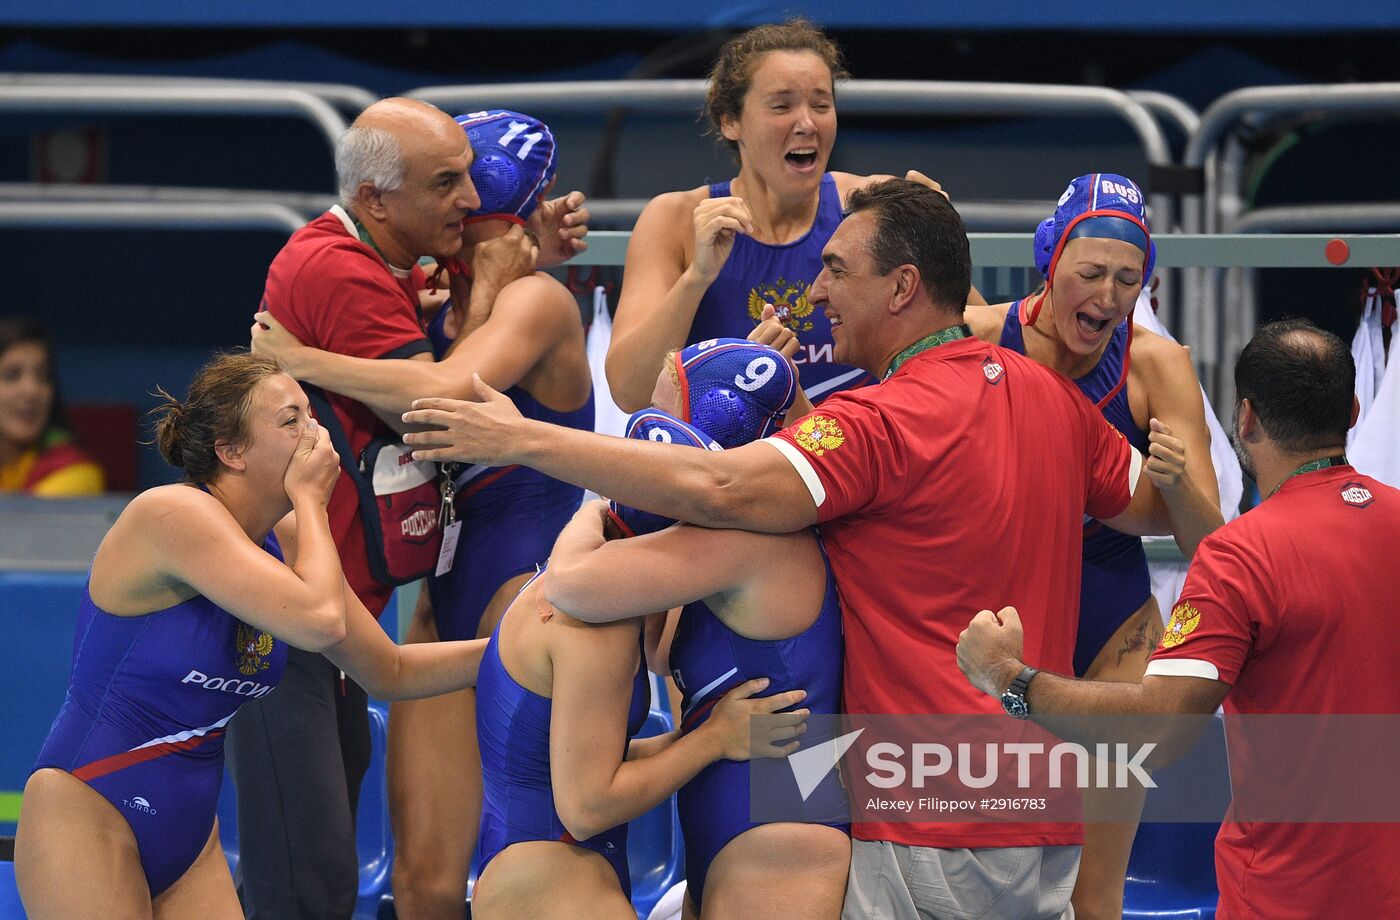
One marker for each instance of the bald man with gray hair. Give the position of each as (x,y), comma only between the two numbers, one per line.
(367,155)
(350,282)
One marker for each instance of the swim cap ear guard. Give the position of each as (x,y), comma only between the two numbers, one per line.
(515,162)
(1102,205)
(736,390)
(655,425)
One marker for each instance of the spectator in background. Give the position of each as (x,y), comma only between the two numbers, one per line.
(37,454)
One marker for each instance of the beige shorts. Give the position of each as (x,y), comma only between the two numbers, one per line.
(891,881)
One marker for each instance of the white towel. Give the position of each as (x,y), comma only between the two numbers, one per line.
(1368,351)
(607,417)
(1168,577)
(1222,455)
(1374,442)
(669,907)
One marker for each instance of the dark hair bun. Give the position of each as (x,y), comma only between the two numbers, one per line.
(215,412)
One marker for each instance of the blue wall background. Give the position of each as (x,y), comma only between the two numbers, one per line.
(1184,15)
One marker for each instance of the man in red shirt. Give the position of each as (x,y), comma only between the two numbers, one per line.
(349,282)
(1287,610)
(965,473)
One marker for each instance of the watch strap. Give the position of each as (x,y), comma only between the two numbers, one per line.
(1022,681)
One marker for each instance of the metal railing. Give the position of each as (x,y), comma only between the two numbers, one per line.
(1197,316)
(151,99)
(1201,318)
(1168,108)
(993,254)
(307,204)
(1227,111)
(142,94)
(351,99)
(856,97)
(1240,284)
(168,215)
(1174,250)
(609,247)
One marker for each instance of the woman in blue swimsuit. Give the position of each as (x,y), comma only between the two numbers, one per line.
(760,605)
(1096,252)
(191,597)
(559,704)
(704,262)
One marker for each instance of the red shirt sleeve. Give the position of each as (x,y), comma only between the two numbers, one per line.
(1219,617)
(1109,462)
(854,450)
(344,300)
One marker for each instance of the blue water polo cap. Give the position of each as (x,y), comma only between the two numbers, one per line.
(735,390)
(515,162)
(655,425)
(1100,205)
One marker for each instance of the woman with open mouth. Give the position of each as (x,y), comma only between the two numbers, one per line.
(705,262)
(1096,252)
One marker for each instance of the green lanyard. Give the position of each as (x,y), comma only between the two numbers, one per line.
(369,240)
(1309,467)
(932,340)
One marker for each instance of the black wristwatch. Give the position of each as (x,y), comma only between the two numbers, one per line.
(1014,699)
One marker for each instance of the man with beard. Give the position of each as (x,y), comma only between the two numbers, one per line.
(1286,610)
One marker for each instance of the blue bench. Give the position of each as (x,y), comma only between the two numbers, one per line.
(1171,873)
(654,852)
(374,841)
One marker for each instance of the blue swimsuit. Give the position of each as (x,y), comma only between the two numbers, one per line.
(143,721)
(708,659)
(758,273)
(1116,582)
(517,803)
(510,518)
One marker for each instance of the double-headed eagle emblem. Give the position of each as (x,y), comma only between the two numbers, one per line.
(253,648)
(788,298)
(818,434)
(1184,620)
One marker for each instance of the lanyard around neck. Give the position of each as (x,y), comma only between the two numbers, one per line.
(932,340)
(1310,467)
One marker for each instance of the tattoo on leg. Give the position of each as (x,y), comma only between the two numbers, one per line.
(1143,638)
